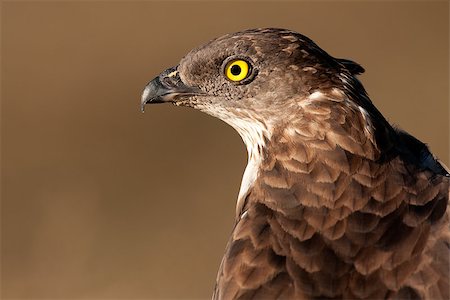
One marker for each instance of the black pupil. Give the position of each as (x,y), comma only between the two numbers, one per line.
(235,70)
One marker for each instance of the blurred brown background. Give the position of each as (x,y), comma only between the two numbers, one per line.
(100,201)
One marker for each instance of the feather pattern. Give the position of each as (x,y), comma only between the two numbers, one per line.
(337,221)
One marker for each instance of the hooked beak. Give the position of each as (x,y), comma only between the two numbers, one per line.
(166,87)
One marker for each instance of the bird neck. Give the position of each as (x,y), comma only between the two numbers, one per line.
(314,144)
(255,135)
(323,136)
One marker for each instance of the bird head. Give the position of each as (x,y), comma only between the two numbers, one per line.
(252,71)
(244,77)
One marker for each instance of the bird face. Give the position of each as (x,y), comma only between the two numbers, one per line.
(245,76)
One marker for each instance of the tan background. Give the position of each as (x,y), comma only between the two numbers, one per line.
(101,201)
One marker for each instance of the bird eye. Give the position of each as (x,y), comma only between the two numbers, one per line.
(237,70)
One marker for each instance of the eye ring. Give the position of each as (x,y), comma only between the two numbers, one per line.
(238,70)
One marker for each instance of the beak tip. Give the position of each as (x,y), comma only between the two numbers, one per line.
(152,93)
(144,98)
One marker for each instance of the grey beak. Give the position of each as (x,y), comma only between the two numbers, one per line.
(166,87)
(153,92)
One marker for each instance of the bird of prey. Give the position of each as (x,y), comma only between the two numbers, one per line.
(335,202)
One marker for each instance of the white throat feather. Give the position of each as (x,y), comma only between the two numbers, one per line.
(254,134)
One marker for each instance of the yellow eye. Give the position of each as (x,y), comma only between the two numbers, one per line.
(237,70)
